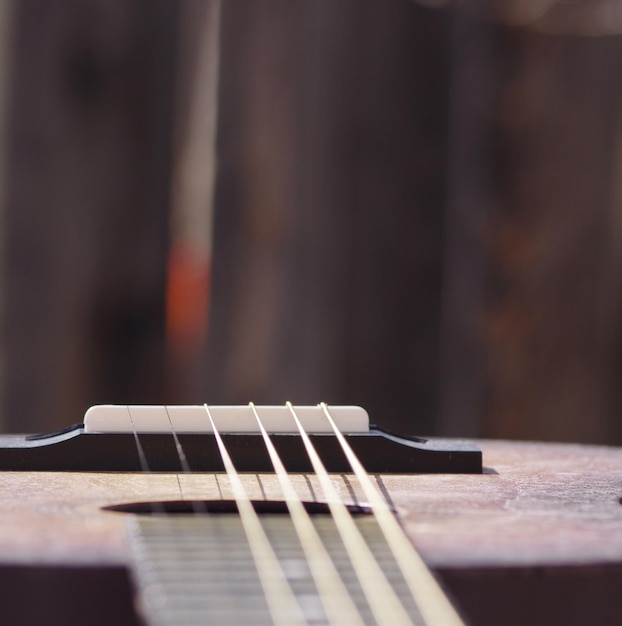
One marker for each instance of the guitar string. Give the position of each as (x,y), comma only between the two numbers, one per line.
(382,599)
(282,603)
(337,601)
(156,507)
(144,465)
(198,506)
(433,604)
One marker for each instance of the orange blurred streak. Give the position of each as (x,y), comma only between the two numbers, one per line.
(187,300)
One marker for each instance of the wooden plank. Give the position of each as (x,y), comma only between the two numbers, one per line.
(552,323)
(87,198)
(328,224)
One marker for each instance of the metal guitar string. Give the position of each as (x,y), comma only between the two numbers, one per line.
(382,599)
(432,602)
(156,507)
(183,460)
(139,446)
(197,506)
(335,598)
(282,603)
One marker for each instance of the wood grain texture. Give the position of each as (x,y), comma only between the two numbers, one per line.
(327,227)
(538,505)
(88,141)
(552,324)
(418,210)
(537,539)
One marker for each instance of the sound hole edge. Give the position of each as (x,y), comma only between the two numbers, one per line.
(194,507)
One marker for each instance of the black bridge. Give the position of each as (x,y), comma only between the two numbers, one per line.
(379,451)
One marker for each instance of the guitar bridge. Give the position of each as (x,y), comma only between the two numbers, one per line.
(107,441)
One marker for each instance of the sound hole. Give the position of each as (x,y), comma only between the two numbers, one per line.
(262,507)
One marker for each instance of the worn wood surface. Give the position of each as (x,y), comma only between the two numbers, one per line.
(327,229)
(88,161)
(536,505)
(418,210)
(536,539)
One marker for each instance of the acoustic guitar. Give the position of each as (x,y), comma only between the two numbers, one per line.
(195,515)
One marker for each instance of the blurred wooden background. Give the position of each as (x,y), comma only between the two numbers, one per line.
(414,209)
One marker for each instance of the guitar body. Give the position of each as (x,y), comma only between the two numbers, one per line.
(535,539)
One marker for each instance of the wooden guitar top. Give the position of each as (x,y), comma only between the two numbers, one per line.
(544,516)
